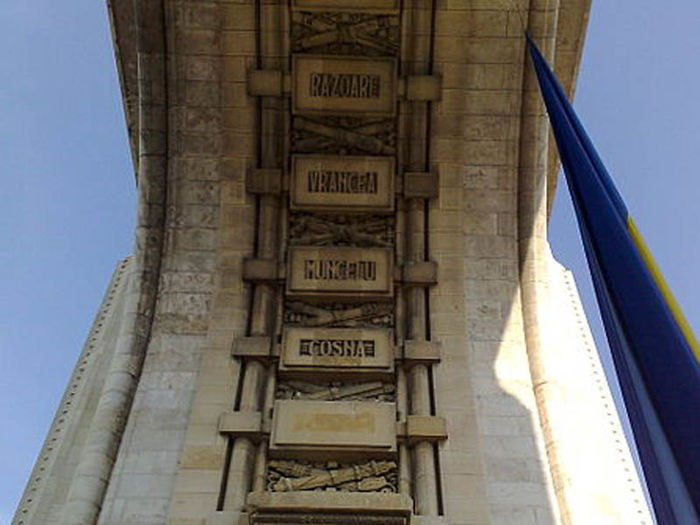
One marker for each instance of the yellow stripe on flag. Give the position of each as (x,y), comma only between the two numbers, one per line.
(663,286)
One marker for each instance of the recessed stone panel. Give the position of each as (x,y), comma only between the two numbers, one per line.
(316,518)
(342,183)
(366,6)
(335,272)
(346,428)
(380,508)
(346,351)
(344,85)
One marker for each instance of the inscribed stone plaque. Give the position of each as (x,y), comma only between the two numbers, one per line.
(315,517)
(316,428)
(342,183)
(344,85)
(366,6)
(337,272)
(337,350)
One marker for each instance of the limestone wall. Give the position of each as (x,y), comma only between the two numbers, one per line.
(188,378)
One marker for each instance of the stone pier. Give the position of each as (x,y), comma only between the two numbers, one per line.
(342,308)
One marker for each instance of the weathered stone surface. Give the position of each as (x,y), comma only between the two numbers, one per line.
(348,429)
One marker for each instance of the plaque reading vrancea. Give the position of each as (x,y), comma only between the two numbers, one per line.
(342,183)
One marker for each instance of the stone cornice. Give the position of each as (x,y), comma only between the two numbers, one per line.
(124,36)
(571,34)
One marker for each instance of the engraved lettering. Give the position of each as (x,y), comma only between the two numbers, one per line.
(339,270)
(316,81)
(337,347)
(348,182)
(364,87)
(374,85)
(308,269)
(344,85)
(325,87)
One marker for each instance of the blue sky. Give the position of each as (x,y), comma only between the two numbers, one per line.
(69,197)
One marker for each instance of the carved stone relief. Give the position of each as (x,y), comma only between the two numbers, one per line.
(370,314)
(369,476)
(355,35)
(345,33)
(336,391)
(344,135)
(307,229)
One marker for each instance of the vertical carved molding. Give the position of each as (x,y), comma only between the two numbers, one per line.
(89,484)
(416,59)
(532,238)
(246,455)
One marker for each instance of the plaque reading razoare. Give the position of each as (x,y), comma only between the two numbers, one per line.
(344,85)
(335,272)
(330,183)
(343,351)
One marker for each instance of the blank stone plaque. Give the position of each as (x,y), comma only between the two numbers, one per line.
(342,183)
(347,428)
(345,85)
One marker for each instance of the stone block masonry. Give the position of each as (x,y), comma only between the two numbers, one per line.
(342,306)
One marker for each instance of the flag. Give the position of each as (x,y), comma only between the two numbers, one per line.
(656,356)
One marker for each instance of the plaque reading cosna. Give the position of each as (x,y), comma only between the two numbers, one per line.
(344,85)
(344,428)
(366,6)
(342,351)
(335,272)
(342,183)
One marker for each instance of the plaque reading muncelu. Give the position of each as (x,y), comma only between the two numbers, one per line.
(343,351)
(344,85)
(317,428)
(342,183)
(339,272)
